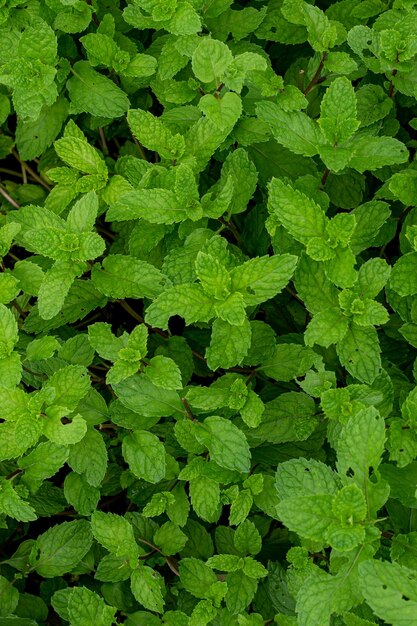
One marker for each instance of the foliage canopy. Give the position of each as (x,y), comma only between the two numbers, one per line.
(208,312)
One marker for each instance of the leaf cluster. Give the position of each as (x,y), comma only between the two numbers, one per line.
(208,312)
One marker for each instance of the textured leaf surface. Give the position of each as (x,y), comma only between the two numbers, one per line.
(93,93)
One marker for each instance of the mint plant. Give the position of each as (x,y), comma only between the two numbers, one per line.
(208,313)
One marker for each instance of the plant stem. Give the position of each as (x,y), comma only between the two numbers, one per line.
(188,409)
(19,308)
(325,176)
(172,564)
(140,148)
(391,84)
(140,319)
(30,171)
(294,294)
(103,141)
(9,199)
(317,75)
(24,174)
(231,226)
(16,472)
(5,170)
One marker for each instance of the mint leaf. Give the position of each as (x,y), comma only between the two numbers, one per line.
(260,279)
(292,129)
(226,443)
(85,605)
(210,60)
(359,352)
(126,277)
(208,315)
(11,504)
(62,547)
(300,215)
(115,534)
(338,112)
(94,93)
(389,590)
(196,576)
(145,455)
(229,344)
(147,586)
(154,135)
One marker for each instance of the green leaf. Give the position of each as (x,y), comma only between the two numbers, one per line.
(8,332)
(170,538)
(319,597)
(55,287)
(299,477)
(187,301)
(140,395)
(326,327)
(196,576)
(115,534)
(229,344)
(210,60)
(390,590)
(147,587)
(10,370)
(403,186)
(104,342)
(247,538)
(361,444)
(85,606)
(62,547)
(77,152)
(322,33)
(123,276)
(80,494)
(33,137)
(164,373)
(238,172)
(68,386)
(11,504)
(226,443)
(372,277)
(43,348)
(338,112)
(359,353)
(94,93)
(154,135)
(64,433)
(9,597)
(213,275)
(42,462)
(145,455)
(203,139)
(252,411)
(113,569)
(288,361)
(292,129)
(403,275)
(309,516)
(261,278)
(298,213)
(371,153)
(240,591)
(158,206)
(240,508)
(89,457)
(369,219)
(205,498)
(221,111)
(314,287)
